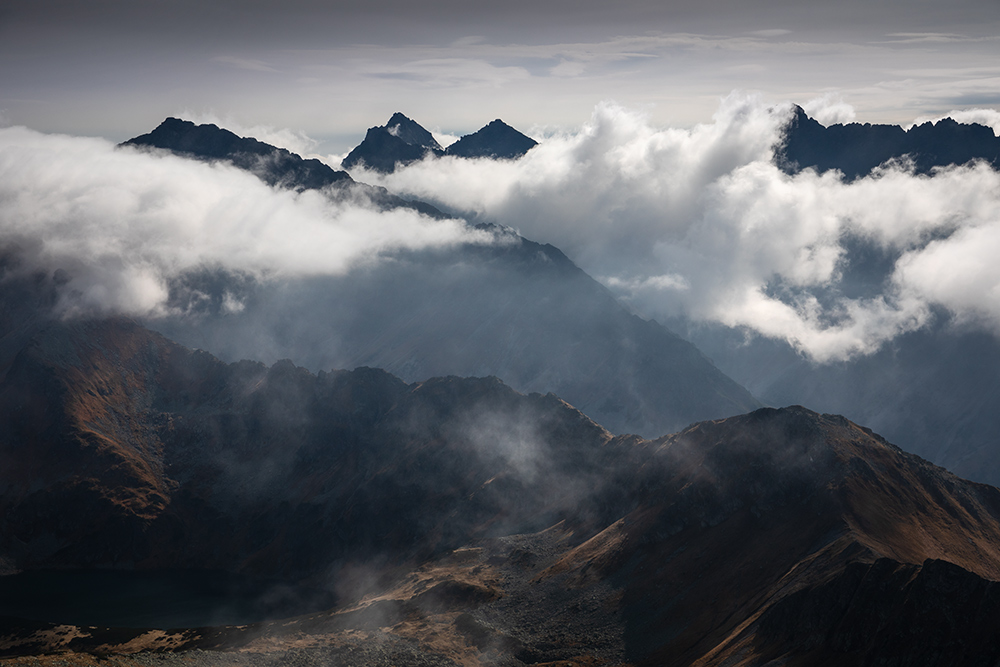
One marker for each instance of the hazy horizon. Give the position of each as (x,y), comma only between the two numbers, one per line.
(331,70)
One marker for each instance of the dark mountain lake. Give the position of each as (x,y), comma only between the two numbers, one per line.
(159,599)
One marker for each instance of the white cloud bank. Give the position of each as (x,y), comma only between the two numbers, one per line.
(699,222)
(122,223)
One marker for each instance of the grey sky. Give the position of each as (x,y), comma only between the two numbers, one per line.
(331,69)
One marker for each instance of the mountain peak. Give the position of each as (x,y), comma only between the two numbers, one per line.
(497,140)
(411,132)
(400,141)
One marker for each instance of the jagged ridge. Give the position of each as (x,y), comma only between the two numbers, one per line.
(856,149)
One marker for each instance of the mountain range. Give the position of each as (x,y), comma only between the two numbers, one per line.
(457,457)
(855,149)
(402,141)
(469,524)
(513,308)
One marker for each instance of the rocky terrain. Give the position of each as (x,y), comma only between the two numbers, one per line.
(456,521)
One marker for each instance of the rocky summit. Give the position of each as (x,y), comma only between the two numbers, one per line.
(403,141)
(498,140)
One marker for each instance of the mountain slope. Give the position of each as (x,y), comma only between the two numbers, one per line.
(400,141)
(515,309)
(124,449)
(275,166)
(496,528)
(411,132)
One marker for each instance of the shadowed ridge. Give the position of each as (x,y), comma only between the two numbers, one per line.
(729,522)
(117,441)
(497,140)
(856,149)
(381,151)
(492,524)
(275,166)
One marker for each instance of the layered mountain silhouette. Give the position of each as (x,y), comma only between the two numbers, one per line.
(469,524)
(275,166)
(402,141)
(406,514)
(935,389)
(856,149)
(512,308)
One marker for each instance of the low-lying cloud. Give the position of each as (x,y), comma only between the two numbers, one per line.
(700,223)
(117,225)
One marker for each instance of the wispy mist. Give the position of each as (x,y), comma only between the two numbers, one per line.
(701,223)
(117,225)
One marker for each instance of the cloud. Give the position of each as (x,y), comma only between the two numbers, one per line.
(119,225)
(773,32)
(251,64)
(829,109)
(450,72)
(568,68)
(699,223)
(445,139)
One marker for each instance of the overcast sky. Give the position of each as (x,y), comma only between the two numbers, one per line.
(331,69)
